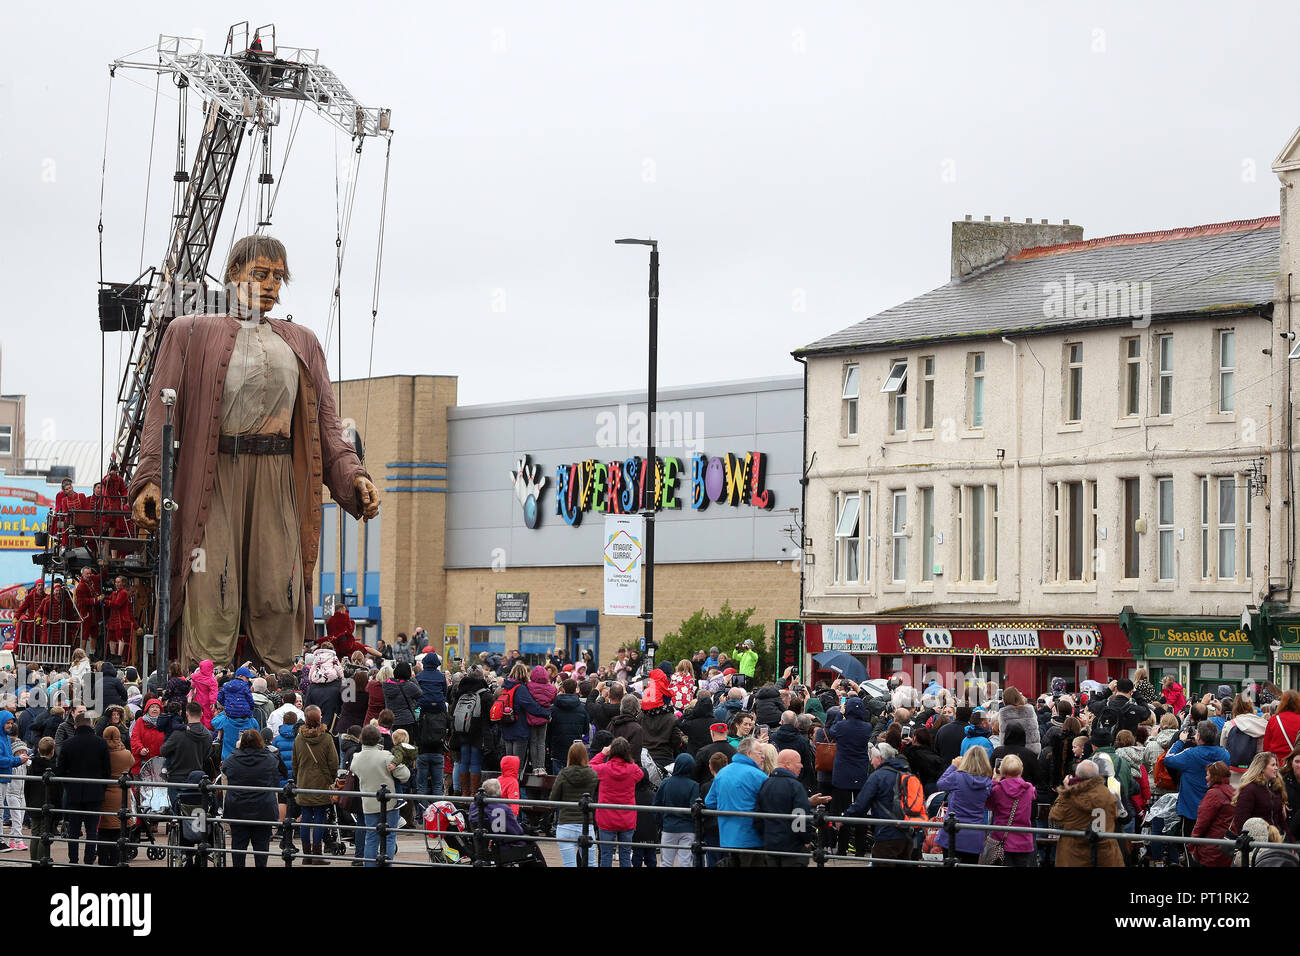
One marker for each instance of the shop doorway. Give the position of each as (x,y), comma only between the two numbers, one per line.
(1049,670)
(581,635)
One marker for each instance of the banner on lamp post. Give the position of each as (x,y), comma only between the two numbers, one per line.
(623,553)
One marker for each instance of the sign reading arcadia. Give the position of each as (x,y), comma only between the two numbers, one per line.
(628,486)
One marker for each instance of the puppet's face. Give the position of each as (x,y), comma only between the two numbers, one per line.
(258,283)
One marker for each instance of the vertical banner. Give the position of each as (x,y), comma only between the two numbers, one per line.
(623,552)
(450,642)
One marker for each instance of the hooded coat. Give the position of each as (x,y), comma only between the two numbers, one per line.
(433,683)
(1191,763)
(629,728)
(252,768)
(113,693)
(1242,737)
(568,723)
(679,790)
(852,738)
(543,691)
(695,724)
(768,706)
(1005,794)
(203,690)
(315,762)
(402,697)
(187,750)
(1073,811)
(618,780)
(1022,716)
(146,740)
(660,735)
(236,698)
(967,797)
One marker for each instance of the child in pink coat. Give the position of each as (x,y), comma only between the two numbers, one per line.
(203,691)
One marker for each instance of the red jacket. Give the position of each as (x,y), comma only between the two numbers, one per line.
(375,695)
(60,616)
(84,596)
(338,624)
(1213,820)
(618,780)
(119,611)
(1282,734)
(144,737)
(1256,800)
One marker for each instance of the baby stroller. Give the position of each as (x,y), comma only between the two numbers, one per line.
(151,804)
(334,844)
(445,838)
(199,823)
(504,850)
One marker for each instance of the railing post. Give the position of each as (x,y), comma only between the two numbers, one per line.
(47,811)
(950,851)
(584,841)
(819,822)
(480,840)
(205,787)
(124,781)
(1243,847)
(381,827)
(697,845)
(286,829)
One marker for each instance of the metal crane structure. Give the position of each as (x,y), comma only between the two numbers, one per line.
(242,89)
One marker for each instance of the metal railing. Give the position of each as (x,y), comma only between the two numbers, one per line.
(198,833)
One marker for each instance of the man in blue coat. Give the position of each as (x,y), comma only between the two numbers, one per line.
(433,683)
(1190,761)
(784,793)
(736,788)
(882,798)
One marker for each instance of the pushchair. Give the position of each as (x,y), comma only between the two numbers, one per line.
(503,850)
(151,804)
(199,823)
(445,838)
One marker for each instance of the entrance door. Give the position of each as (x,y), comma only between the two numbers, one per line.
(581,639)
(1049,670)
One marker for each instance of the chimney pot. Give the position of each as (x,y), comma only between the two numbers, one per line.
(1006,218)
(1029,221)
(1065,222)
(988,218)
(975,246)
(968,217)
(1042,222)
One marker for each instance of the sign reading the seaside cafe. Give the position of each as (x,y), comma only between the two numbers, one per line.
(1191,639)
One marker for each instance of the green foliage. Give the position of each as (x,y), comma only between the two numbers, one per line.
(724,631)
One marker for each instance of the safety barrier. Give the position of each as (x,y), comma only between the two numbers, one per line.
(485,842)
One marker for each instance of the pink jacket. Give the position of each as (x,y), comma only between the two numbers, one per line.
(1174,697)
(203,691)
(1004,794)
(543,691)
(618,780)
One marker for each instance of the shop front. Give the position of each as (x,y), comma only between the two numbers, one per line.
(1201,653)
(1026,654)
(1281,625)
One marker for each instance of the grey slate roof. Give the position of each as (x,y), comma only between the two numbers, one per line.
(1215,272)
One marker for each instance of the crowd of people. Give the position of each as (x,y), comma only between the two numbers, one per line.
(658,738)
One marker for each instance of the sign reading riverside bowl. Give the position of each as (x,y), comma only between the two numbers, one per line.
(629,486)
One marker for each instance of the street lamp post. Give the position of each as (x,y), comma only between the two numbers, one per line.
(651,464)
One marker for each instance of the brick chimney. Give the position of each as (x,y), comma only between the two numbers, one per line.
(976,244)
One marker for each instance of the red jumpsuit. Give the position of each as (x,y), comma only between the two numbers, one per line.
(27,613)
(113,500)
(64,504)
(121,624)
(85,596)
(60,617)
(339,631)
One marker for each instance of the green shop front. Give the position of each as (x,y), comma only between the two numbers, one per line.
(1201,653)
(1282,629)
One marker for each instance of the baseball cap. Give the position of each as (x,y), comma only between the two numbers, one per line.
(728,672)
(748,643)
(717,728)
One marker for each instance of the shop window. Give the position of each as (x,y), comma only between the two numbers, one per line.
(536,644)
(849,403)
(487,639)
(6,439)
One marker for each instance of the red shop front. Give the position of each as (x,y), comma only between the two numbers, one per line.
(1026,654)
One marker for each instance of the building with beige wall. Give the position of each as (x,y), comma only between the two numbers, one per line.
(1072,459)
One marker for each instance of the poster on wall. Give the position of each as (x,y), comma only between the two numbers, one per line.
(512,607)
(451,642)
(622,557)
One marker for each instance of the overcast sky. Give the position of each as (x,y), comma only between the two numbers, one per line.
(800,165)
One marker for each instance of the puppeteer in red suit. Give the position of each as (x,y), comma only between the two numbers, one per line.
(60,623)
(28,611)
(87,596)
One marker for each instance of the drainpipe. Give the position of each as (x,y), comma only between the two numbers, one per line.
(803,483)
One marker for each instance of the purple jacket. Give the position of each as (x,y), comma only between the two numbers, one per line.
(967,795)
(1004,794)
(543,691)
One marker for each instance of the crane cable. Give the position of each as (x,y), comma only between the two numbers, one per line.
(103,176)
(379,270)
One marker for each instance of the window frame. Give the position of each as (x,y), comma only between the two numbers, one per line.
(978,365)
(849,403)
(925,414)
(1073,406)
(1064,517)
(927,533)
(847,543)
(1226,380)
(1131,360)
(898,536)
(6,439)
(1164,376)
(1130,542)
(1165,529)
(1229,528)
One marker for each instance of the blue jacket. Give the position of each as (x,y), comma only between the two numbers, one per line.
(876,799)
(783,793)
(726,710)
(736,788)
(524,704)
(977,737)
(852,737)
(967,795)
(433,683)
(284,738)
(231,728)
(679,790)
(1191,763)
(7,759)
(236,698)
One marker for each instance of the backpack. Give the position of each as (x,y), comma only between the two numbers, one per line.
(468,709)
(1164,779)
(503,708)
(433,728)
(909,798)
(1108,718)
(1242,747)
